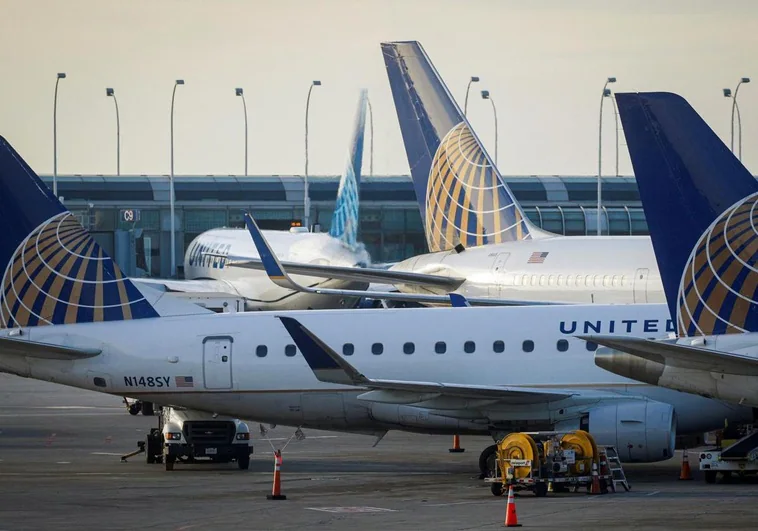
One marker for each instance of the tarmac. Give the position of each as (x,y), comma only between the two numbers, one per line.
(60,469)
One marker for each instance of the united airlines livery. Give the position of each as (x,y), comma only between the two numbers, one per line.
(699,202)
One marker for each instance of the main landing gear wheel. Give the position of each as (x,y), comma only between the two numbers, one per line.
(147,409)
(487,462)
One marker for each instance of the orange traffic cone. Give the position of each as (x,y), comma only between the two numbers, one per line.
(686,473)
(595,488)
(605,471)
(456,449)
(511,520)
(276,491)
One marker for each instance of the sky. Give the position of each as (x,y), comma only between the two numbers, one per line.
(543,61)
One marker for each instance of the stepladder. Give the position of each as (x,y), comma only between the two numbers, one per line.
(615,467)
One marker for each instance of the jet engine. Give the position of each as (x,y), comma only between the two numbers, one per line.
(642,431)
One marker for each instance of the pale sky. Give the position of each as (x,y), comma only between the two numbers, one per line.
(544,62)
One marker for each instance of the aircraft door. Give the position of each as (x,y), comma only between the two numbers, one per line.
(640,285)
(217,362)
(498,274)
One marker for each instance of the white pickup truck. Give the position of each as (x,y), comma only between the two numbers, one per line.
(189,436)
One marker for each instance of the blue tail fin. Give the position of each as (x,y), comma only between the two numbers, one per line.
(345,219)
(699,203)
(51,270)
(462,196)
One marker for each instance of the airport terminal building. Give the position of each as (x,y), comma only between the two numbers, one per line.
(130,217)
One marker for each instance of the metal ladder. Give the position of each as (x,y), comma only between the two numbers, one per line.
(617,471)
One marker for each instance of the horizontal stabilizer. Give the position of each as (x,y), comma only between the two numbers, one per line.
(21,347)
(330,367)
(678,355)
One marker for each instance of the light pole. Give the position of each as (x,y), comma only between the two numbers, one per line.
(735,106)
(606,93)
(171,183)
(371,122)
(61,75)
(241,93)
(110,92)
(486,96)
(474,79)
(307,199)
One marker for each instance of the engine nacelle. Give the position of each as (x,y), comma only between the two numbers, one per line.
(642,431)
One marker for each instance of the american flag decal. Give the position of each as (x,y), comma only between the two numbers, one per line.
(184,381)
(537,258)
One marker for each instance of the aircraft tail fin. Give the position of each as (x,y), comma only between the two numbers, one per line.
(345,220)
(51,269)
(699,203)
(461,194)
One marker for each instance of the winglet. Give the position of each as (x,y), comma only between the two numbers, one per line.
(271,264)
(458,301)
(326,364)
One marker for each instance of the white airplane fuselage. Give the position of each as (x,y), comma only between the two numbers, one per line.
(585,269)
(245,365)
(203,261)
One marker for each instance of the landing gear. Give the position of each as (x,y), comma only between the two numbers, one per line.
(147,409)
(487,461)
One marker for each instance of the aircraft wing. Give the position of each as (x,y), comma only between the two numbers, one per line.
(328,366)
(22,347)
(187,286)
(357,274)
(678,355)
(279,276)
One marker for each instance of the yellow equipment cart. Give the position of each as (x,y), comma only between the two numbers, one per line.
(537,461)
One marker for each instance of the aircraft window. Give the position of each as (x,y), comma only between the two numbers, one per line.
(543,280)
(290,350)
(528,345)
(99,382)
(525,280)
(560,280)
(598,281)
(615,281)
(588,281)
(516,280)
(261,351)
(579,280)
(377,348)
(624,280)
(348,349)
(591,346)
(534,280)
(498,346)
(440,347)
(562,345)
(551,280)
(606,281)
(469,347)
(409,348)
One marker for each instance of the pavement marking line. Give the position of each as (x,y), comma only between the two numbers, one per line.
(63,462)
(106,453)
(347,510)
(653,493)
(472,502)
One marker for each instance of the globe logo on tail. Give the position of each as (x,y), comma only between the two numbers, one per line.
(466,199)
(719,287)
(60,275)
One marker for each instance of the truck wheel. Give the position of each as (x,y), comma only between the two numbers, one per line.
(243,462)
(147,409)
(487,461)
(169,461)
(540,490)
(496,489)
(710,476)
(150,457)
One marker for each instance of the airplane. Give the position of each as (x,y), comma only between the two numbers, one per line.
(476,231)
(207,255)
(68,315)
(700,204)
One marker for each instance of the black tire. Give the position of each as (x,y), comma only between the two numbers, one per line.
(540,490)
(134,408)
(487,462)
(147,409)
(243,462)
(150,457)
(497,489)
(169,461)
(710,476)
(153,448)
